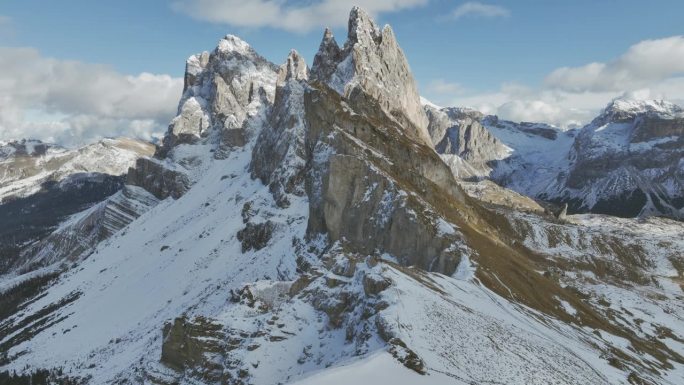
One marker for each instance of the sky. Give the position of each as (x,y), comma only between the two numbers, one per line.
(73,71)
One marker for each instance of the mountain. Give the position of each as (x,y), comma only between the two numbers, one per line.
(42,185)
(629,161)
(297,226)
(626,162)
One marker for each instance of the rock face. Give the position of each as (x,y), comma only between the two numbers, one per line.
(457,134)
(357,195)
(161,179)
(371,65)
(278,158)
(191,344)
(628,161)
(222,89)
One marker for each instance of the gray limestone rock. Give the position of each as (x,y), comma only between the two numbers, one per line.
(224,90)
(359,197)
(458,132)
(255,236)
(278,156)
(372,65)
(161,179)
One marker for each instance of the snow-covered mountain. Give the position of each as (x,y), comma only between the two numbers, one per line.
(42,185)
(298,227)
(628,161)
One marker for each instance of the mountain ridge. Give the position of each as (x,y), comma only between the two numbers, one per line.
(285,229)
(624,162)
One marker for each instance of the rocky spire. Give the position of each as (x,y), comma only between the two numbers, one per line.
(294,68)
(372,65)
(194,67)
(325,61)
(361,28)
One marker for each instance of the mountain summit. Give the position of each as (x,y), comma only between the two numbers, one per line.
(372,63)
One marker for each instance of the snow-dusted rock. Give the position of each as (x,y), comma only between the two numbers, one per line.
(372,65)
(223,89)
(162,179)
(43,185)
(26,165)
(457,134)
(628,161)
(278,158)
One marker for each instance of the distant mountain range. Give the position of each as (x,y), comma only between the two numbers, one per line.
(627,162)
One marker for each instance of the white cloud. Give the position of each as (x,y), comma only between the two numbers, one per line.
(285,14)
(643,64)
(475,8)
(651,69)
(441,87)
(71,102)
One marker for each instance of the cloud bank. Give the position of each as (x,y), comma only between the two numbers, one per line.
(474,8)
(71,102)
(643,64)
(571,96)
(288,15)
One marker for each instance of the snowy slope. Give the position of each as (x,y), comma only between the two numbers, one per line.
(117,298)
(23,168)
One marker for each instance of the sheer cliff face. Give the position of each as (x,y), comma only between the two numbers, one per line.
(372,65)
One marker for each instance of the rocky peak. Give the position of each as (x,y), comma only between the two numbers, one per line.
(622,110)
(362,29)
(232,43)
(277,158)
(294,68)
(223,89)
(326,59)
(193,67)
(372,66)
(459,132)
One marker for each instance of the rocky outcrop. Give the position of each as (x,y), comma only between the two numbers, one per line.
(278,155)
(371,65)
(196,345)
(255,236)
(223,89)
(162,179)
(359,197)
(457,132)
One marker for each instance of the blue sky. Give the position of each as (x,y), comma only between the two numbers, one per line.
(484,54)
